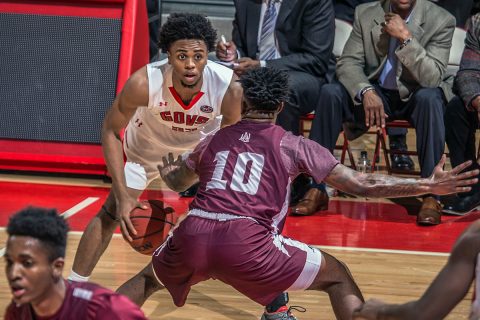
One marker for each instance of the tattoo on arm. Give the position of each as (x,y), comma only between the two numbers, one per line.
(374,185)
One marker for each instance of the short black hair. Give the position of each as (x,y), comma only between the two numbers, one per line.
(187,26)
(265,88)
(43,224)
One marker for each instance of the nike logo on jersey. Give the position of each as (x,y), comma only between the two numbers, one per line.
(182,118)
(245,137)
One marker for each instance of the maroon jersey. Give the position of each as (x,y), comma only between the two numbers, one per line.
(83,301)
(246,169)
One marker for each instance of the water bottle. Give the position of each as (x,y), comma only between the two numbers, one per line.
(363,164)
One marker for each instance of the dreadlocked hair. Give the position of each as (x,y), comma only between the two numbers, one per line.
(187,26)
(265,88)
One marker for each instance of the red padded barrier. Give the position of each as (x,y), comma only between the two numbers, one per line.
(134,53)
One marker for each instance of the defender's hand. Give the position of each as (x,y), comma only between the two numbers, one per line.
(447,182)
(169,164)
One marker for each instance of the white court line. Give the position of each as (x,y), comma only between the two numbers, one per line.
(67,214)
(373,250)
(80,206)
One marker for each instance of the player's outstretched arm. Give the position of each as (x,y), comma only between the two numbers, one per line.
(446,291)
(386,186)
(176,174)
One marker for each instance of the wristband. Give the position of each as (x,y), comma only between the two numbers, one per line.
(365,90)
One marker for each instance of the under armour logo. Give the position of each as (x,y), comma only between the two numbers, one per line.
(245,137)
(162,103)
(138,123)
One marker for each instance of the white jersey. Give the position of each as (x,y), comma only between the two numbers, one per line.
(166,124)
(475,313)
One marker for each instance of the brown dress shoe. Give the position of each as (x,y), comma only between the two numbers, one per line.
(313,201)
(430,213)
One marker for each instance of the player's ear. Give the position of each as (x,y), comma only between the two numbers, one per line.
(168,57)
(57,268)
(280,107)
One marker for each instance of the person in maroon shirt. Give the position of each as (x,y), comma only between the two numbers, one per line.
(233,229)
(34,260)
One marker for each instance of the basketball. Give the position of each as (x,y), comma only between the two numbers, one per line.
(152,225)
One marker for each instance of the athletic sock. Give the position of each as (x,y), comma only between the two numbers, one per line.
(75,277)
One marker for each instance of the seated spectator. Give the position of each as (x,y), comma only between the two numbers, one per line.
(446,291)
(393,66)
(462,117)
(294,36)
(34,260)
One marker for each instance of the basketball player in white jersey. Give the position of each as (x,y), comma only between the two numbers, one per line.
(166,106)
(446,291)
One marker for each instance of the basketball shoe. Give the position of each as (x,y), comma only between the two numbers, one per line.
(283,313)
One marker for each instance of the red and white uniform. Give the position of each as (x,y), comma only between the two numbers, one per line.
(167,124)
(83,301)
(232,231)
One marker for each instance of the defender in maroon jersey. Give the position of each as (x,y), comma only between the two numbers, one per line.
(232,231)
(34,260)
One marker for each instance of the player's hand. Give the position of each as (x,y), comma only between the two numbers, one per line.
(125,205)
(374,111)
(369,310)
(169,164)
(245,64)
(453,181)
(226,51)
(396,27)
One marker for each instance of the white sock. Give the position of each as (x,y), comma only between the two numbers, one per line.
(75,277)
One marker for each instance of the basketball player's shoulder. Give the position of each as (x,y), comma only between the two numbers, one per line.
(216,70)
(138,81)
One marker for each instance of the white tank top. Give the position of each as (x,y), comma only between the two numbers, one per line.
(166,123)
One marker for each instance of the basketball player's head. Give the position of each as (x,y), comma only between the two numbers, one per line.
(265,91)
(34,256)
(187,39)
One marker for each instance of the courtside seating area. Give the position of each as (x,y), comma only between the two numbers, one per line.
(342,32)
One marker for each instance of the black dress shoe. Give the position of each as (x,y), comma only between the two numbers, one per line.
(401,162)
(299,188)
(190,192)
(463,205)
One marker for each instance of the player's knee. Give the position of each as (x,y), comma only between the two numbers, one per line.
(107,216)
(332,272)
(151,282)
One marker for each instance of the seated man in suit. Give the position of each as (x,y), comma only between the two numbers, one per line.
(294,36)
(393,66)
(462,117)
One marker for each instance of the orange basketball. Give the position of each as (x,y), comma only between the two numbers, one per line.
(152,225)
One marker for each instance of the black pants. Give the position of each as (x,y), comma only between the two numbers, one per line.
(424,111)
(305,89)
(460,127)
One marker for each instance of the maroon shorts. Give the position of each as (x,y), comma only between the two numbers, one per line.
(238,252)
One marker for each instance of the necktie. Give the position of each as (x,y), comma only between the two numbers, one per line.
(267,47)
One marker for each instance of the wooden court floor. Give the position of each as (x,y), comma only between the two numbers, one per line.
(389,256)
(393,277)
